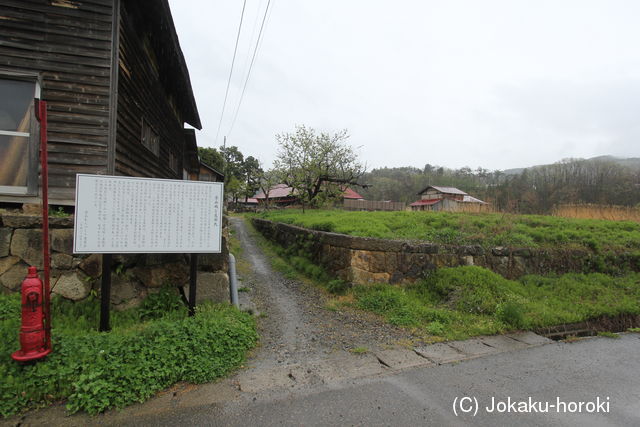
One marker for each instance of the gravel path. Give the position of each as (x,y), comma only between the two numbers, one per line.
(294,323)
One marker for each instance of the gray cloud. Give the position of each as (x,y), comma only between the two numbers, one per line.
(497,84)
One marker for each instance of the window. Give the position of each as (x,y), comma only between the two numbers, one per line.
(17,135)
(150,138)
(173,162)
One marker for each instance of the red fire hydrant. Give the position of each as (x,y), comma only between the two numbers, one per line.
(33,336)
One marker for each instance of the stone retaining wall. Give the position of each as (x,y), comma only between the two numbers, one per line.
(75,276)
(362,260)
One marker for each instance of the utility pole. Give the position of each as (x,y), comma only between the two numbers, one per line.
(224,157)
(224,168)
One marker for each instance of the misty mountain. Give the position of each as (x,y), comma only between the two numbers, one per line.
(632,162)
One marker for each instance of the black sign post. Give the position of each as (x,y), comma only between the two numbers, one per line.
(105,293)
(193,281)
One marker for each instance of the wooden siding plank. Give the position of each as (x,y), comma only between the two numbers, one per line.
(59,13)
(142,94)
(83,62)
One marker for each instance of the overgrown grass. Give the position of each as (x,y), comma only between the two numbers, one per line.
(486,229)
(461,302)
(456,303)
(149,349)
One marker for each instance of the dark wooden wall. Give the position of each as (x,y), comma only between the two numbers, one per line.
(143,94)
(71,49)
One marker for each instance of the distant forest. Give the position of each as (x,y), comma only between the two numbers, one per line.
(603,180)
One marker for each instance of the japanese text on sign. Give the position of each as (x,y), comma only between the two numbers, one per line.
(146,215)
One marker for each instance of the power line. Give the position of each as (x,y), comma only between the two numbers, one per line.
(235,49)
(254,29)
(255,51)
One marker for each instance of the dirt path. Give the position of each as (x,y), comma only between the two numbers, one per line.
(295,327)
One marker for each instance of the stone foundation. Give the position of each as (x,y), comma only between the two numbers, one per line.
(75,276)
(362,260)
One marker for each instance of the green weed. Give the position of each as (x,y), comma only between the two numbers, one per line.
(59,212)
(456,303)
(96,371)
(608,334)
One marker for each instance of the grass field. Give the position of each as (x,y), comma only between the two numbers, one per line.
(612,213)
(486,229)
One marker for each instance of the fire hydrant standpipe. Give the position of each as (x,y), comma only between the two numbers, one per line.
(35,333)
(33,336)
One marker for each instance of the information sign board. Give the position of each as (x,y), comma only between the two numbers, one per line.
(116,214)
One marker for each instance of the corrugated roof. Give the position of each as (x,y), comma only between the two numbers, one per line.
(470,199)
(445,190)
(351,194)
(277,191)
(427,202)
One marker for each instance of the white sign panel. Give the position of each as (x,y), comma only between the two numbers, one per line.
(116,214)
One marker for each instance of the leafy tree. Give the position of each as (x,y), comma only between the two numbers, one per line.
(315,163)
(234,163)
(212,157)
(266,181)
(252,171)
(235,189)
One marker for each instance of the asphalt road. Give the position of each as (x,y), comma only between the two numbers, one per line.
(569,373)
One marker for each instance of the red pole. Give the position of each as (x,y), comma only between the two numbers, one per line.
(41,115)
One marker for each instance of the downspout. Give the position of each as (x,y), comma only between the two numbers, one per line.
(233,281)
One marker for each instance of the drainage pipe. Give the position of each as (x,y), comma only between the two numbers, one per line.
(233,282)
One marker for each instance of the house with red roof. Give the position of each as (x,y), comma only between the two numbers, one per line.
(278,195)
(284,195)
(350,194)
(436,198)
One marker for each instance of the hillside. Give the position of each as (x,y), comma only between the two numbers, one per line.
(604,180)
(631,162)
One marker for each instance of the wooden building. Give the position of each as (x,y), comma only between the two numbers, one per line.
(283,195)
(207,173)
(279,195)
(446,199)
(117,88)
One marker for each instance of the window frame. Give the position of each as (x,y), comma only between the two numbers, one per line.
(154,137)
(33,156)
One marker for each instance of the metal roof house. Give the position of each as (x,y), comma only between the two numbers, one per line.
(435,198)
(283,195)
(279,195)
(117,88)
(351,194)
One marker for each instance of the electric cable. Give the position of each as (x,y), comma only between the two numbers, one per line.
(226,93)
(255,51)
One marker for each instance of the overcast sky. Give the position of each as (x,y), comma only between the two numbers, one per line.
(497,84)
